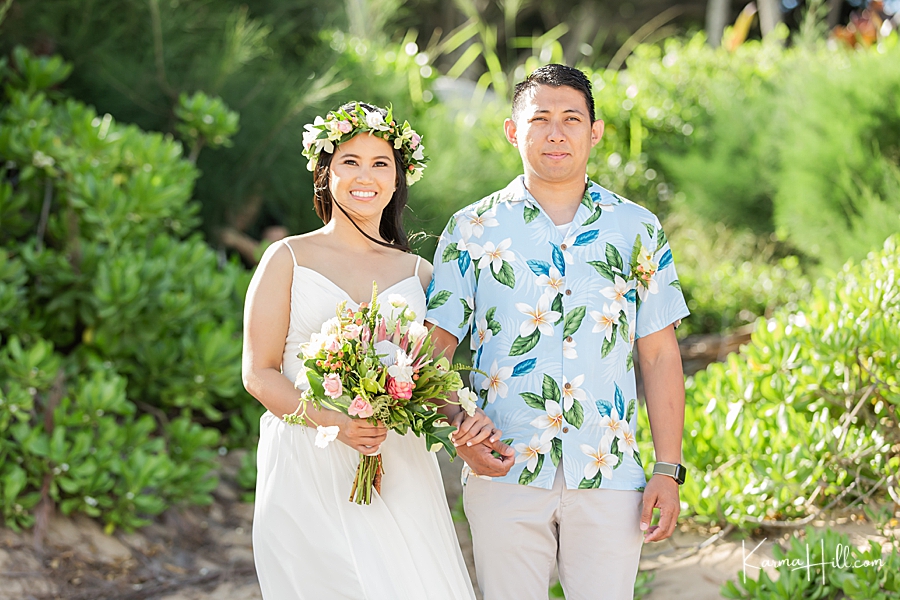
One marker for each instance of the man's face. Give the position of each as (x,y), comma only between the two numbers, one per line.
(554,134)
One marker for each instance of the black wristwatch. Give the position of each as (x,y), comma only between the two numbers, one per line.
(675,471)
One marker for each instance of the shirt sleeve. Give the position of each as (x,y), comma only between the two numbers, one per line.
(663,303)
(452,290)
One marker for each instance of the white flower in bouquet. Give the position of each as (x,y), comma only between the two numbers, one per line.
(326,435)
(416,332)
(397,301)
(314,345)
(467,400)
(387,351)
(402,369)
(332,343)
(332,326)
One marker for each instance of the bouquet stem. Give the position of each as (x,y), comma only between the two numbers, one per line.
(368,477)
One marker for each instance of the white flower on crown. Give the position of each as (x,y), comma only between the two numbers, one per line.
(414,175)
(374,120)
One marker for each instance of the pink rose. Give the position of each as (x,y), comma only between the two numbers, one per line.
(345,127)
(332,344)
(401,390)
(414,141)
(333,386)
(351,331)
(361,408)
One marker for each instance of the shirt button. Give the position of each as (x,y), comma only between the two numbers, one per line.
(568,292)
(568,338)
(565,430)
(563,247)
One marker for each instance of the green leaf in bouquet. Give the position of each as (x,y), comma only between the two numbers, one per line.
(316,384)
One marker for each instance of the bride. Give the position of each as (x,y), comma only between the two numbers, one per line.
(309,541)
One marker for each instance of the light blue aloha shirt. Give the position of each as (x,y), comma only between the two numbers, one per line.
(553,319)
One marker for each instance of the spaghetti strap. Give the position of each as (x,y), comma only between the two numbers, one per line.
(418,260)
(295,257)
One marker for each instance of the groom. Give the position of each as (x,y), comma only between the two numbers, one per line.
(557,279)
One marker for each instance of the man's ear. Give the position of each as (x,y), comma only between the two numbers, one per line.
(596,132)
(509,127)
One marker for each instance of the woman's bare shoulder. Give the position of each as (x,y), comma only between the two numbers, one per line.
(425,272)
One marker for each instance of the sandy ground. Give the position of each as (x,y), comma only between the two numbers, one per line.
(205,554)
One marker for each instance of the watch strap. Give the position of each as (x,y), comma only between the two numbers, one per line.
(673,470)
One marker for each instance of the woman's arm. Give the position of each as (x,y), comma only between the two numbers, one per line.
(267,313)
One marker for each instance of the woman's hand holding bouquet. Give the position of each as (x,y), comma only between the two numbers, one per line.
(379,371)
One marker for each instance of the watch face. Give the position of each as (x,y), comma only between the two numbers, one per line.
(680,473)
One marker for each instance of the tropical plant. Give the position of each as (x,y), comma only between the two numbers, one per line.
(807,416)
(119,339)
(823,565)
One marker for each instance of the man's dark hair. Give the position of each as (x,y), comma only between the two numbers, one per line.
(556,76)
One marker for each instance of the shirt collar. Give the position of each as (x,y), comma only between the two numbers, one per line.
(517,192)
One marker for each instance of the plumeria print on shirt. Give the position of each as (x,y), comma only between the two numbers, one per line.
(552,314)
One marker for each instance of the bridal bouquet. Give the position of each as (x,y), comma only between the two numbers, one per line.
(379,368)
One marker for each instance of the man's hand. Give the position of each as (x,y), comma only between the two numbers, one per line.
(482,462)
(473,430)
(662,493)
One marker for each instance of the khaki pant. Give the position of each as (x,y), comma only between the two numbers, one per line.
(520,533)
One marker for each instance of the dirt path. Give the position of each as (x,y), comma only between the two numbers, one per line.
(206,554)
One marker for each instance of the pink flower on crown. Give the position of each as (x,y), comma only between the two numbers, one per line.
(345,126)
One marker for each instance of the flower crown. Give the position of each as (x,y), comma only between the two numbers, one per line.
(340,125)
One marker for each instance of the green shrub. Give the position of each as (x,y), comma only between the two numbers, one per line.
(731,278)
(119,334)
(807,414)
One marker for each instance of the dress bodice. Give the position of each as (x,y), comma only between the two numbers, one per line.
(314,298)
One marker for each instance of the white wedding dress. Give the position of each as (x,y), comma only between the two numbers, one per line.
(309,540)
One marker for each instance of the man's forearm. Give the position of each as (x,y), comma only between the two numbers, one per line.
(664,389)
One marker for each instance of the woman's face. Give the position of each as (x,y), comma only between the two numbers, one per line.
(363,176)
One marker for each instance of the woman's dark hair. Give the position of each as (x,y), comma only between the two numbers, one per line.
(391,226)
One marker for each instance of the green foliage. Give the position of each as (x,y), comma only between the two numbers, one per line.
(868,573)
(138,60)
(121,334)
(808,414)
(205,120)
(801,141)
(731,278)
